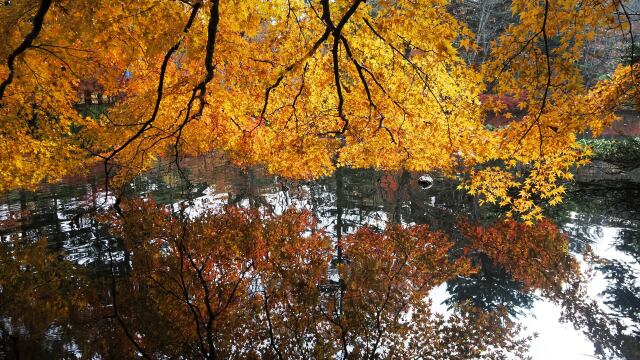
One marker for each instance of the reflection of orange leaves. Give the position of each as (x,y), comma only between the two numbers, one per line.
(389,186)
(389,182)
(535,255)
(263,283)
(37,291)
(415,256)
(231,239)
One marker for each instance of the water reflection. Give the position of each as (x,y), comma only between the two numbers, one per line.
(247,266)
(244,284)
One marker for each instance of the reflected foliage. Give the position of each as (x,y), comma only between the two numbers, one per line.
(351,270)
(246,283)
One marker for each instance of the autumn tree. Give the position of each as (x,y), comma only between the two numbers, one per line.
(251,284)
(241,284)
(538,258)
(302,87)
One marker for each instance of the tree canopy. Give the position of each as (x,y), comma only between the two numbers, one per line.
(303,87)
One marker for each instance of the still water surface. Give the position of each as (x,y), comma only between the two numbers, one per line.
(65,260)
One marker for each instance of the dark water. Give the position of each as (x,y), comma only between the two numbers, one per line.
(181,275)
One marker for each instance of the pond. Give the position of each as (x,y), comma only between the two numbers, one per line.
(364,264)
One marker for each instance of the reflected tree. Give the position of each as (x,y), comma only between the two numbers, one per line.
(246,283)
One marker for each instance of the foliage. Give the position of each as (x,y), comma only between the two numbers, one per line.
(239,284)
(258,286)
(538,258)
(532,256)
(246,283)
(302,87)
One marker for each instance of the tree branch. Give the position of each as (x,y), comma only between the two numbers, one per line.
(38,20)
